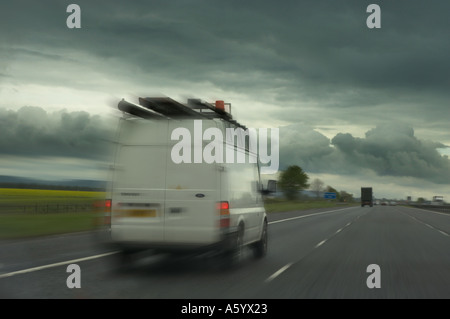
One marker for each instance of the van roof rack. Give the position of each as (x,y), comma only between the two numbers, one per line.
(138,110)
(208,108)
(213,111)
(165,107)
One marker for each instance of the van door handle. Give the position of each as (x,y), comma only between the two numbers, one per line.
(176,210)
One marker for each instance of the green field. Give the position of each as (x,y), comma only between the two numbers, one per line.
(31,225)
(33,212)
(37,212)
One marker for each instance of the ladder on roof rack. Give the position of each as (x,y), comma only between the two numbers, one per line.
(138,110)
(168,107)
(165,107)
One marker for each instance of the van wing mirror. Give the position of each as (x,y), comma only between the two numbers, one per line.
(271,187)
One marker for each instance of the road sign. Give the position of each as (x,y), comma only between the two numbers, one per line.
(329,195)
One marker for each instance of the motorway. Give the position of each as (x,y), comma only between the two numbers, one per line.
(322,253)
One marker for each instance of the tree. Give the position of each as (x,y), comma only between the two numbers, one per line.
(333,190)
(421,200)
(317,186)
(346,197)
(293,180)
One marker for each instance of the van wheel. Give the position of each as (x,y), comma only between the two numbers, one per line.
(124,259)
(234,256)
(260,248)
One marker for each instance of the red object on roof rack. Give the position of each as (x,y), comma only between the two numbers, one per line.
(220,105)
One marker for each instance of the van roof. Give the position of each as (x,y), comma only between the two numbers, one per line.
(165,107)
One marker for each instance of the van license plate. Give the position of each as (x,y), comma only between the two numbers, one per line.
(139,213)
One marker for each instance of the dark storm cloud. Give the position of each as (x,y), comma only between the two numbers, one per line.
(301,145)
(393,150)
(31,131)
(388,150)
(319,47)
(314,62)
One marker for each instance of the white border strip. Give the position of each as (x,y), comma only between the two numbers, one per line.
(54,265)
(278,272)
(309,215)
(430,211)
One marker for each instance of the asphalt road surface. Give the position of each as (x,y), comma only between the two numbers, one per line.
(323,253)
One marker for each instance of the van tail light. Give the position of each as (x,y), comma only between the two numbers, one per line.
(108,205)
(224,214)
(102,210)
(107,216)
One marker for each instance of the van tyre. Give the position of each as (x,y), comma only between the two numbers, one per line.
(233,257)
(124,259)
(260,247)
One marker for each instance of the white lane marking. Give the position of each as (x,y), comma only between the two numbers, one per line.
(23,271)
(429,226)
(304,216)
(348,224)
(321,243)
(278,272)
(429,211)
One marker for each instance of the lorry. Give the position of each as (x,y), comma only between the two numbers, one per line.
(167,197)
(366,196)
(437,200)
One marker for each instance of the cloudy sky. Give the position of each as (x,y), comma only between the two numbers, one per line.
(355,106)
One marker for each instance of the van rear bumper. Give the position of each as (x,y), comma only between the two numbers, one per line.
(226,242)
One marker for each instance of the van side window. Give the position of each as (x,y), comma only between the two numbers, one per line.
(243,189)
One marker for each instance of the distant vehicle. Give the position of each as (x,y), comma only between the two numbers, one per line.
(393,203)
(366,196)
(164,206)
(437,200)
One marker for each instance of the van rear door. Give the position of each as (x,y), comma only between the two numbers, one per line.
(192,192)
(139,182)
(156,200)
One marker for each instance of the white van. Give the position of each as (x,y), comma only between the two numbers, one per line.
(162,204)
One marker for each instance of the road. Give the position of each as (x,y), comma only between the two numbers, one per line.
(322,253)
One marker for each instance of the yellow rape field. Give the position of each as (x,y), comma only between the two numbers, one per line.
(28,196)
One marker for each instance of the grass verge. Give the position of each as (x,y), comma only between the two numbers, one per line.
(23,225)
(13,226)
